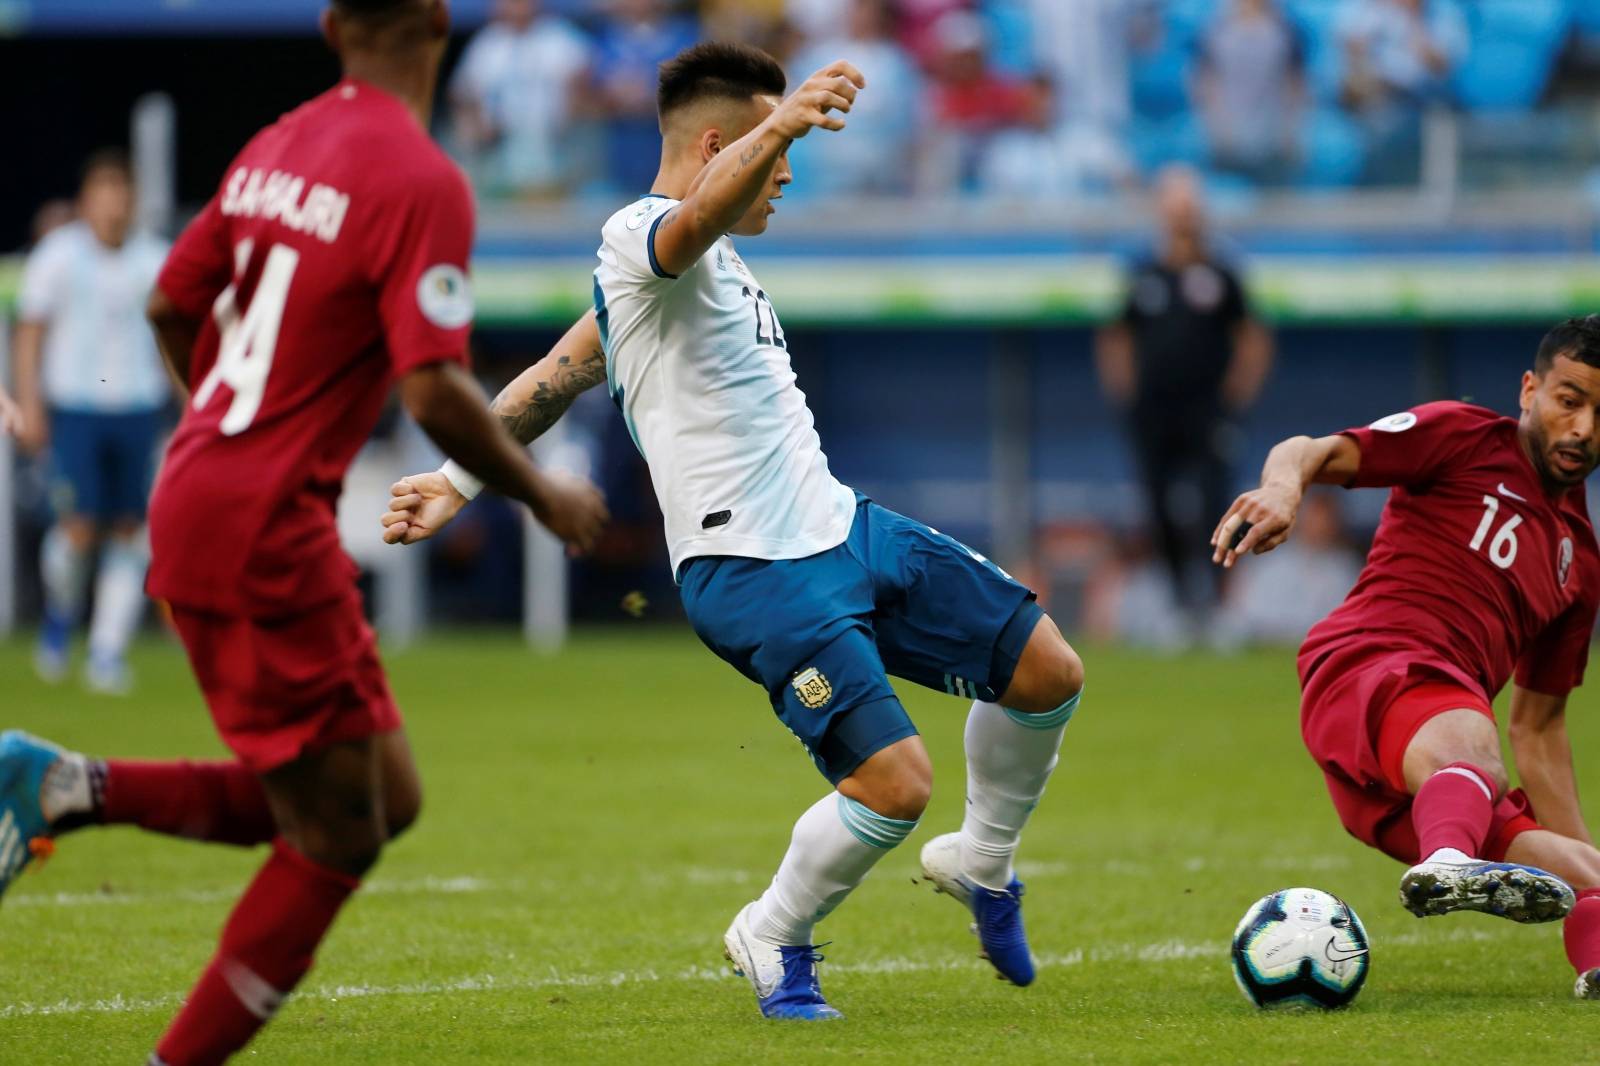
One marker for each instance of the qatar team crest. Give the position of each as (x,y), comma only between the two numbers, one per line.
(812,688)
(1564,560)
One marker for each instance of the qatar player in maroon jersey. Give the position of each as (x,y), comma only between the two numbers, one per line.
(1484,569)
(331,262)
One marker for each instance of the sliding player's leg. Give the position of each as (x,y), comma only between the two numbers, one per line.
(329,805)
(1450,763)
(1578,863)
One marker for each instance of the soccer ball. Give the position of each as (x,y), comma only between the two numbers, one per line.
(1300,948)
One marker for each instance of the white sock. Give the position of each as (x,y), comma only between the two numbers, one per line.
(118,597)
(65,572)
(835,843)
(1010,756)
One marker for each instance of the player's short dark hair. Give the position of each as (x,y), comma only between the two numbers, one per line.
(1576,338)
(713,70)
(106,160)
(370,7)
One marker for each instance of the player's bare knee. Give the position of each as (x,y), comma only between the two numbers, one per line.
(896,782)
(1050,674)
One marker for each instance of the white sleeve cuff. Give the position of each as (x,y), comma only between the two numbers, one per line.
(463,482)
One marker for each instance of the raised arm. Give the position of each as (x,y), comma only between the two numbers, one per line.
(1267,514)
(1543,754)
(740,173)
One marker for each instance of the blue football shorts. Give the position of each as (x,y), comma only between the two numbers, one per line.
(101,464)
(822,634)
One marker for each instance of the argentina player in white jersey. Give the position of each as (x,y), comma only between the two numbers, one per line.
(91,392)
(806,587)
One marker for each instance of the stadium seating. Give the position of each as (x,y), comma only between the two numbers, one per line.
(1514,46)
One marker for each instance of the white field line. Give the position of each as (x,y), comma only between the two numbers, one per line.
(1158,952)
(422,886)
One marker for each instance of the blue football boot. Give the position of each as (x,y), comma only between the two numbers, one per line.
(1449,881)
(996,915)
(24,832)
(783,975)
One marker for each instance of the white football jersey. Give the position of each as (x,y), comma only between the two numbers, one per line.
(99,352)
(699,366)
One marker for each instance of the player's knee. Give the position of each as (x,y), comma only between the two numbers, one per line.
(350,847)
(1050,675)
(896,782)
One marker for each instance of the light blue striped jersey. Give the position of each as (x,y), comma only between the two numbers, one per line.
(700,368)
(99,352)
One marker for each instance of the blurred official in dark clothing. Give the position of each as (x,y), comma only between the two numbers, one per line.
(1183,362)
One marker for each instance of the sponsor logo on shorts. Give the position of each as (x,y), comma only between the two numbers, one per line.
(812,688)
(1564,560)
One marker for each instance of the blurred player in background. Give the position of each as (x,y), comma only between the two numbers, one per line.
(1484,568)
(92,391)
(1185,359)
(331,262)
(806,587)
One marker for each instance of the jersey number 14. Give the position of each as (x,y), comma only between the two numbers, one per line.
(244,356)
(1503,548)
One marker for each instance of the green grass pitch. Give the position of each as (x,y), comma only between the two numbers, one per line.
(594,819)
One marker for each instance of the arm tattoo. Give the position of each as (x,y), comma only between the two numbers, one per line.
(551,398)
(748,156)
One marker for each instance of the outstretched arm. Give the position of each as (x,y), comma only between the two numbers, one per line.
(1269,512)
(423,504)
(1543,753)
(448,405)
(741,172)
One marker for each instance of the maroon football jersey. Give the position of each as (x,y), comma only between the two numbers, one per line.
(332,259)
(1475,570)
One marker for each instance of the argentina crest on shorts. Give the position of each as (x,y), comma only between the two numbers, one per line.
(812,688)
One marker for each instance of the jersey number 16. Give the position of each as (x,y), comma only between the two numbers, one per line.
(1503,548)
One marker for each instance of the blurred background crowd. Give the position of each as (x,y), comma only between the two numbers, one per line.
(554,98)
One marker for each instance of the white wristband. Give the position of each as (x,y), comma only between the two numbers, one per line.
(462,481)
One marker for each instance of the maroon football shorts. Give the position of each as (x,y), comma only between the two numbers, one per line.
(1374,804)
(279,688)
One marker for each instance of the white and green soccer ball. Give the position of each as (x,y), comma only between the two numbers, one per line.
(1300,948)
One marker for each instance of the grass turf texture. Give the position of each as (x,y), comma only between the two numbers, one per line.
(593,821)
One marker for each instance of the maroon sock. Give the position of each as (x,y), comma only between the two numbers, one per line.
(1581,932)
(267,946)
(1454,809)
(217,801)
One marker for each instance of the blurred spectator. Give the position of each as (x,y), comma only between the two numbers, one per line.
(512,99)
(1398,58)
(884,120)
(1399,53)
(636,37)
(1183,361)
(1044,157)
(968,102)
(1086,46)
(1277,597)
(1250,89)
